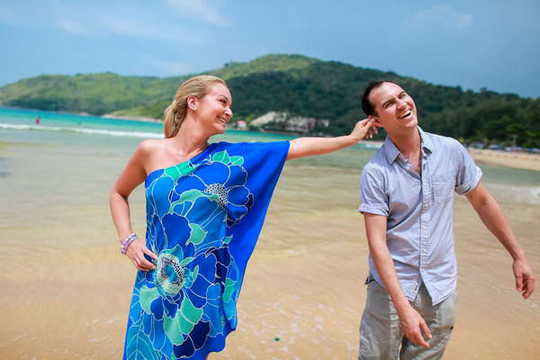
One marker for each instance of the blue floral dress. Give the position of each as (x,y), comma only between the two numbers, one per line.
(203,220)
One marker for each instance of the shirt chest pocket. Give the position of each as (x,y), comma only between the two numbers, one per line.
(443,191)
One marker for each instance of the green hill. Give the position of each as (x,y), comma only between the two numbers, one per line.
(294,84)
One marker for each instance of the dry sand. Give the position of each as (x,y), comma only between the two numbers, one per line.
(516,160)
(303,293)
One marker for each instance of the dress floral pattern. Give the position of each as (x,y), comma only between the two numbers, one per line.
(203,220)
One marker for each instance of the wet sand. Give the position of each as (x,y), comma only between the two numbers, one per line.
(66,289)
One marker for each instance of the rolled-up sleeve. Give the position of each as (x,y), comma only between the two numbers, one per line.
(373,198)
(468,174)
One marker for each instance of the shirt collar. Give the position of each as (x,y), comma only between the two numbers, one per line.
(427,144)
(392,152)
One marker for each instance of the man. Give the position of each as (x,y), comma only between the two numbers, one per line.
(407,202)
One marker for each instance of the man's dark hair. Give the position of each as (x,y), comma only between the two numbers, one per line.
(366,104)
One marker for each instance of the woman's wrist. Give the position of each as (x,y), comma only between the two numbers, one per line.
(124,245)
(353,139)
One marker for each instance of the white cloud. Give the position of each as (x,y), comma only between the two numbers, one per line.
(72,26)
(442,15)
(203,10)
(115,18)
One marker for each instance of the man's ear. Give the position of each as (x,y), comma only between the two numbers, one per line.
(376,120)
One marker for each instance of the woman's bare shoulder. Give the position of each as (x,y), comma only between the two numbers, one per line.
(150,145)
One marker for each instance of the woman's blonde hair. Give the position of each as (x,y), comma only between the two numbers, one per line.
(175,113)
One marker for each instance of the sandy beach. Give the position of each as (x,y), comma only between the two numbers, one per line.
(66,288)
(512,159)
(518,160)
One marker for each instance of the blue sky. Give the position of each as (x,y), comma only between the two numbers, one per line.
(474,44)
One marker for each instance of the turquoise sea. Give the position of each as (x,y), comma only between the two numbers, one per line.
(18,126)
(65,125)
(70,161)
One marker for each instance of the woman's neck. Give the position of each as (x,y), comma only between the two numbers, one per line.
(190,138)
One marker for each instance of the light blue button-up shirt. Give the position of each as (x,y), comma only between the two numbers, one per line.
(419,210)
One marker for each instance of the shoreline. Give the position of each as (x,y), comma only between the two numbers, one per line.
(510,159)
(516,160)
(132,118)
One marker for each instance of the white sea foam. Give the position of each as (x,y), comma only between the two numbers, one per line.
(371,144)
(138,134)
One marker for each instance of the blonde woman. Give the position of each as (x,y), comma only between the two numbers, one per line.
(205,206)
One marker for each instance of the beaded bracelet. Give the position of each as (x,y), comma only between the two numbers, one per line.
(125,244)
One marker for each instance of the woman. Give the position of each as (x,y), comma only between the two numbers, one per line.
(205,206)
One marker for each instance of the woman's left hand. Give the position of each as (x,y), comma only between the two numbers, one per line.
(136,251)
(364,129)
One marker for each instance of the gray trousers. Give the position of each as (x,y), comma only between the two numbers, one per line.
(380,333)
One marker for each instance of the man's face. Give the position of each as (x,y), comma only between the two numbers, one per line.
(395,110)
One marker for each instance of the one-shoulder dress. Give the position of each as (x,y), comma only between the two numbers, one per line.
(203,220)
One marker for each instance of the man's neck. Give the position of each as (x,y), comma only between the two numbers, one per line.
(409,143)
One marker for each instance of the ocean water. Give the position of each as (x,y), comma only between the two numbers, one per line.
(58,174)
(60,127)
(93,132)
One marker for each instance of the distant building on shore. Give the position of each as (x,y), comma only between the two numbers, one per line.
(241,125)
(284,121)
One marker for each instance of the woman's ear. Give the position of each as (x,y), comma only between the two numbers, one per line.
(192,103)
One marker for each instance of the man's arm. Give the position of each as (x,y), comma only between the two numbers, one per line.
(412,324)
(492,216)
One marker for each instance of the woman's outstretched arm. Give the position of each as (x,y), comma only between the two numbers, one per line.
(309,146)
